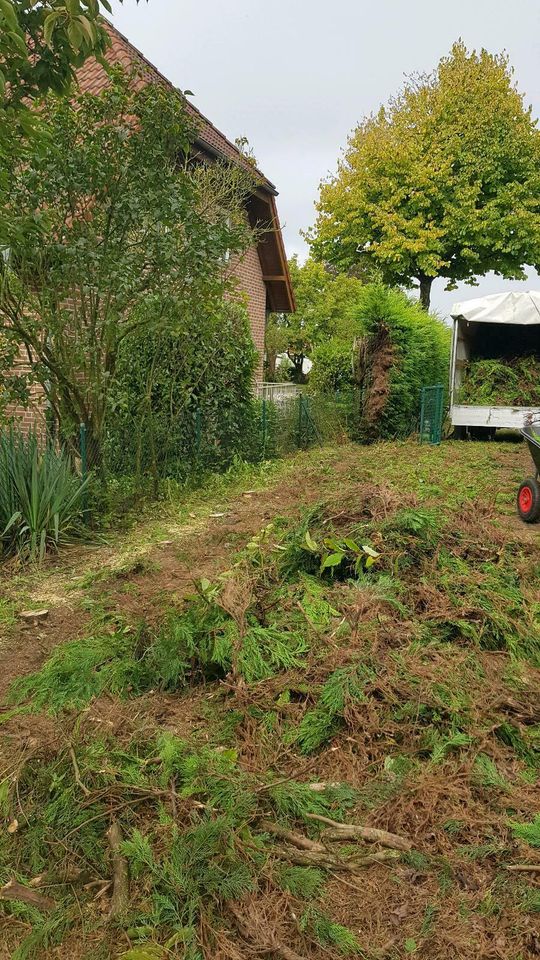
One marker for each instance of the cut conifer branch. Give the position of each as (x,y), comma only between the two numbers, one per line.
(349,831)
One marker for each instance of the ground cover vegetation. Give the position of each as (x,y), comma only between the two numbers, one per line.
(441,182)
(512,382)
(331,748)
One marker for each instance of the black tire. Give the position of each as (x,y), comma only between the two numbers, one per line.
(528,500)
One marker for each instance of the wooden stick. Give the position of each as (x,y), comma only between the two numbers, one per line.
(327,861)
(17,891)
(77,773)
(345,831)
(120,873)
(523,867)
(297,839)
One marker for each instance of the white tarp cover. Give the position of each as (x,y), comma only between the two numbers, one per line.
(521,308)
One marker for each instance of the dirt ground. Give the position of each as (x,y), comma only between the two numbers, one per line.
(418,909)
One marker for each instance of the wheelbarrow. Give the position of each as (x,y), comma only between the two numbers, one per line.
(528,498)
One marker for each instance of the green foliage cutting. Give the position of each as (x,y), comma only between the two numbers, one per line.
(512,382)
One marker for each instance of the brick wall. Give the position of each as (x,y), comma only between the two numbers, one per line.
(32,416)
(250,278)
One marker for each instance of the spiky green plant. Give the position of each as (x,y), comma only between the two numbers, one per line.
(342,691)
(41,498)
(329,933)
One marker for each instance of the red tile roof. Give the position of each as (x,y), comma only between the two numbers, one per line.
(93,78)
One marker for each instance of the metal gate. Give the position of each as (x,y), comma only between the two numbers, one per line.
(431,414)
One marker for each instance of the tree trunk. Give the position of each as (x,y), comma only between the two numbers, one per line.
(271,360)
(297,360)
(425,291)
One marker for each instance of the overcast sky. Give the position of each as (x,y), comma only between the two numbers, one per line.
(296,76)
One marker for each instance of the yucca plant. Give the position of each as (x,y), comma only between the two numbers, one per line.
(41,497)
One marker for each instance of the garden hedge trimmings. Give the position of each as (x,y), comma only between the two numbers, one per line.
(514,381)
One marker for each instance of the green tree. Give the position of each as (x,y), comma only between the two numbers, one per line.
(43,43)
(326,306)
(112,232)
(443,182)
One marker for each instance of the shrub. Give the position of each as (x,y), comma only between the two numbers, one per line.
(332,367)
(182,400)
(403,350)
(40,498)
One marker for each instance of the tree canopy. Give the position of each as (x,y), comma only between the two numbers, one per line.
(112,233)
(326,305)
(443,182)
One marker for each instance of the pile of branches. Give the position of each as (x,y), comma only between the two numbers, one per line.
(514,381)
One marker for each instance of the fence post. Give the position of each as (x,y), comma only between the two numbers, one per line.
(84,463)
(300,418)
(198,433)
(264,427)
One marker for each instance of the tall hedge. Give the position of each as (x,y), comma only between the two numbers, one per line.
(182,400)
(402,348)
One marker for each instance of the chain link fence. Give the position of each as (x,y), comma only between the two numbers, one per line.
(148,460)
(134,458)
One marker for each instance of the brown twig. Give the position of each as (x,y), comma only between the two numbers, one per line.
(17,891)
(523,867)
(345,831)
(327,861)
(77,773)
(297,839)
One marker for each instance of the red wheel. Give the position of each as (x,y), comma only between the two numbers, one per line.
(525,499)
(528,500)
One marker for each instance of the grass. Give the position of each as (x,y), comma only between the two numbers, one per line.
(400,694)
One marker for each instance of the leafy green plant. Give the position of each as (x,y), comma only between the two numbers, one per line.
(329,933)
(305,882)
(342,692)
(486,774)
(341,556)
(41,498)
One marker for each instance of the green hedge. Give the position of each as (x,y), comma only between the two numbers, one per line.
(183,400)
(402,349)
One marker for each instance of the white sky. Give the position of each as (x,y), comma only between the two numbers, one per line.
(296,76)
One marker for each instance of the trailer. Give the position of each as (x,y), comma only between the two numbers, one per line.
(491,328)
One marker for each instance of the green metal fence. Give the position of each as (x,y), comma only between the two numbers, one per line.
(431,414)
(143,463)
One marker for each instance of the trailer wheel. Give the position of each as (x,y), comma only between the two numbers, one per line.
(528,500)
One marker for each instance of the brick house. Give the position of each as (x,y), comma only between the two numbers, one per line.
(262,272)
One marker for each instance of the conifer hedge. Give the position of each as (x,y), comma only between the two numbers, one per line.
(403,348)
